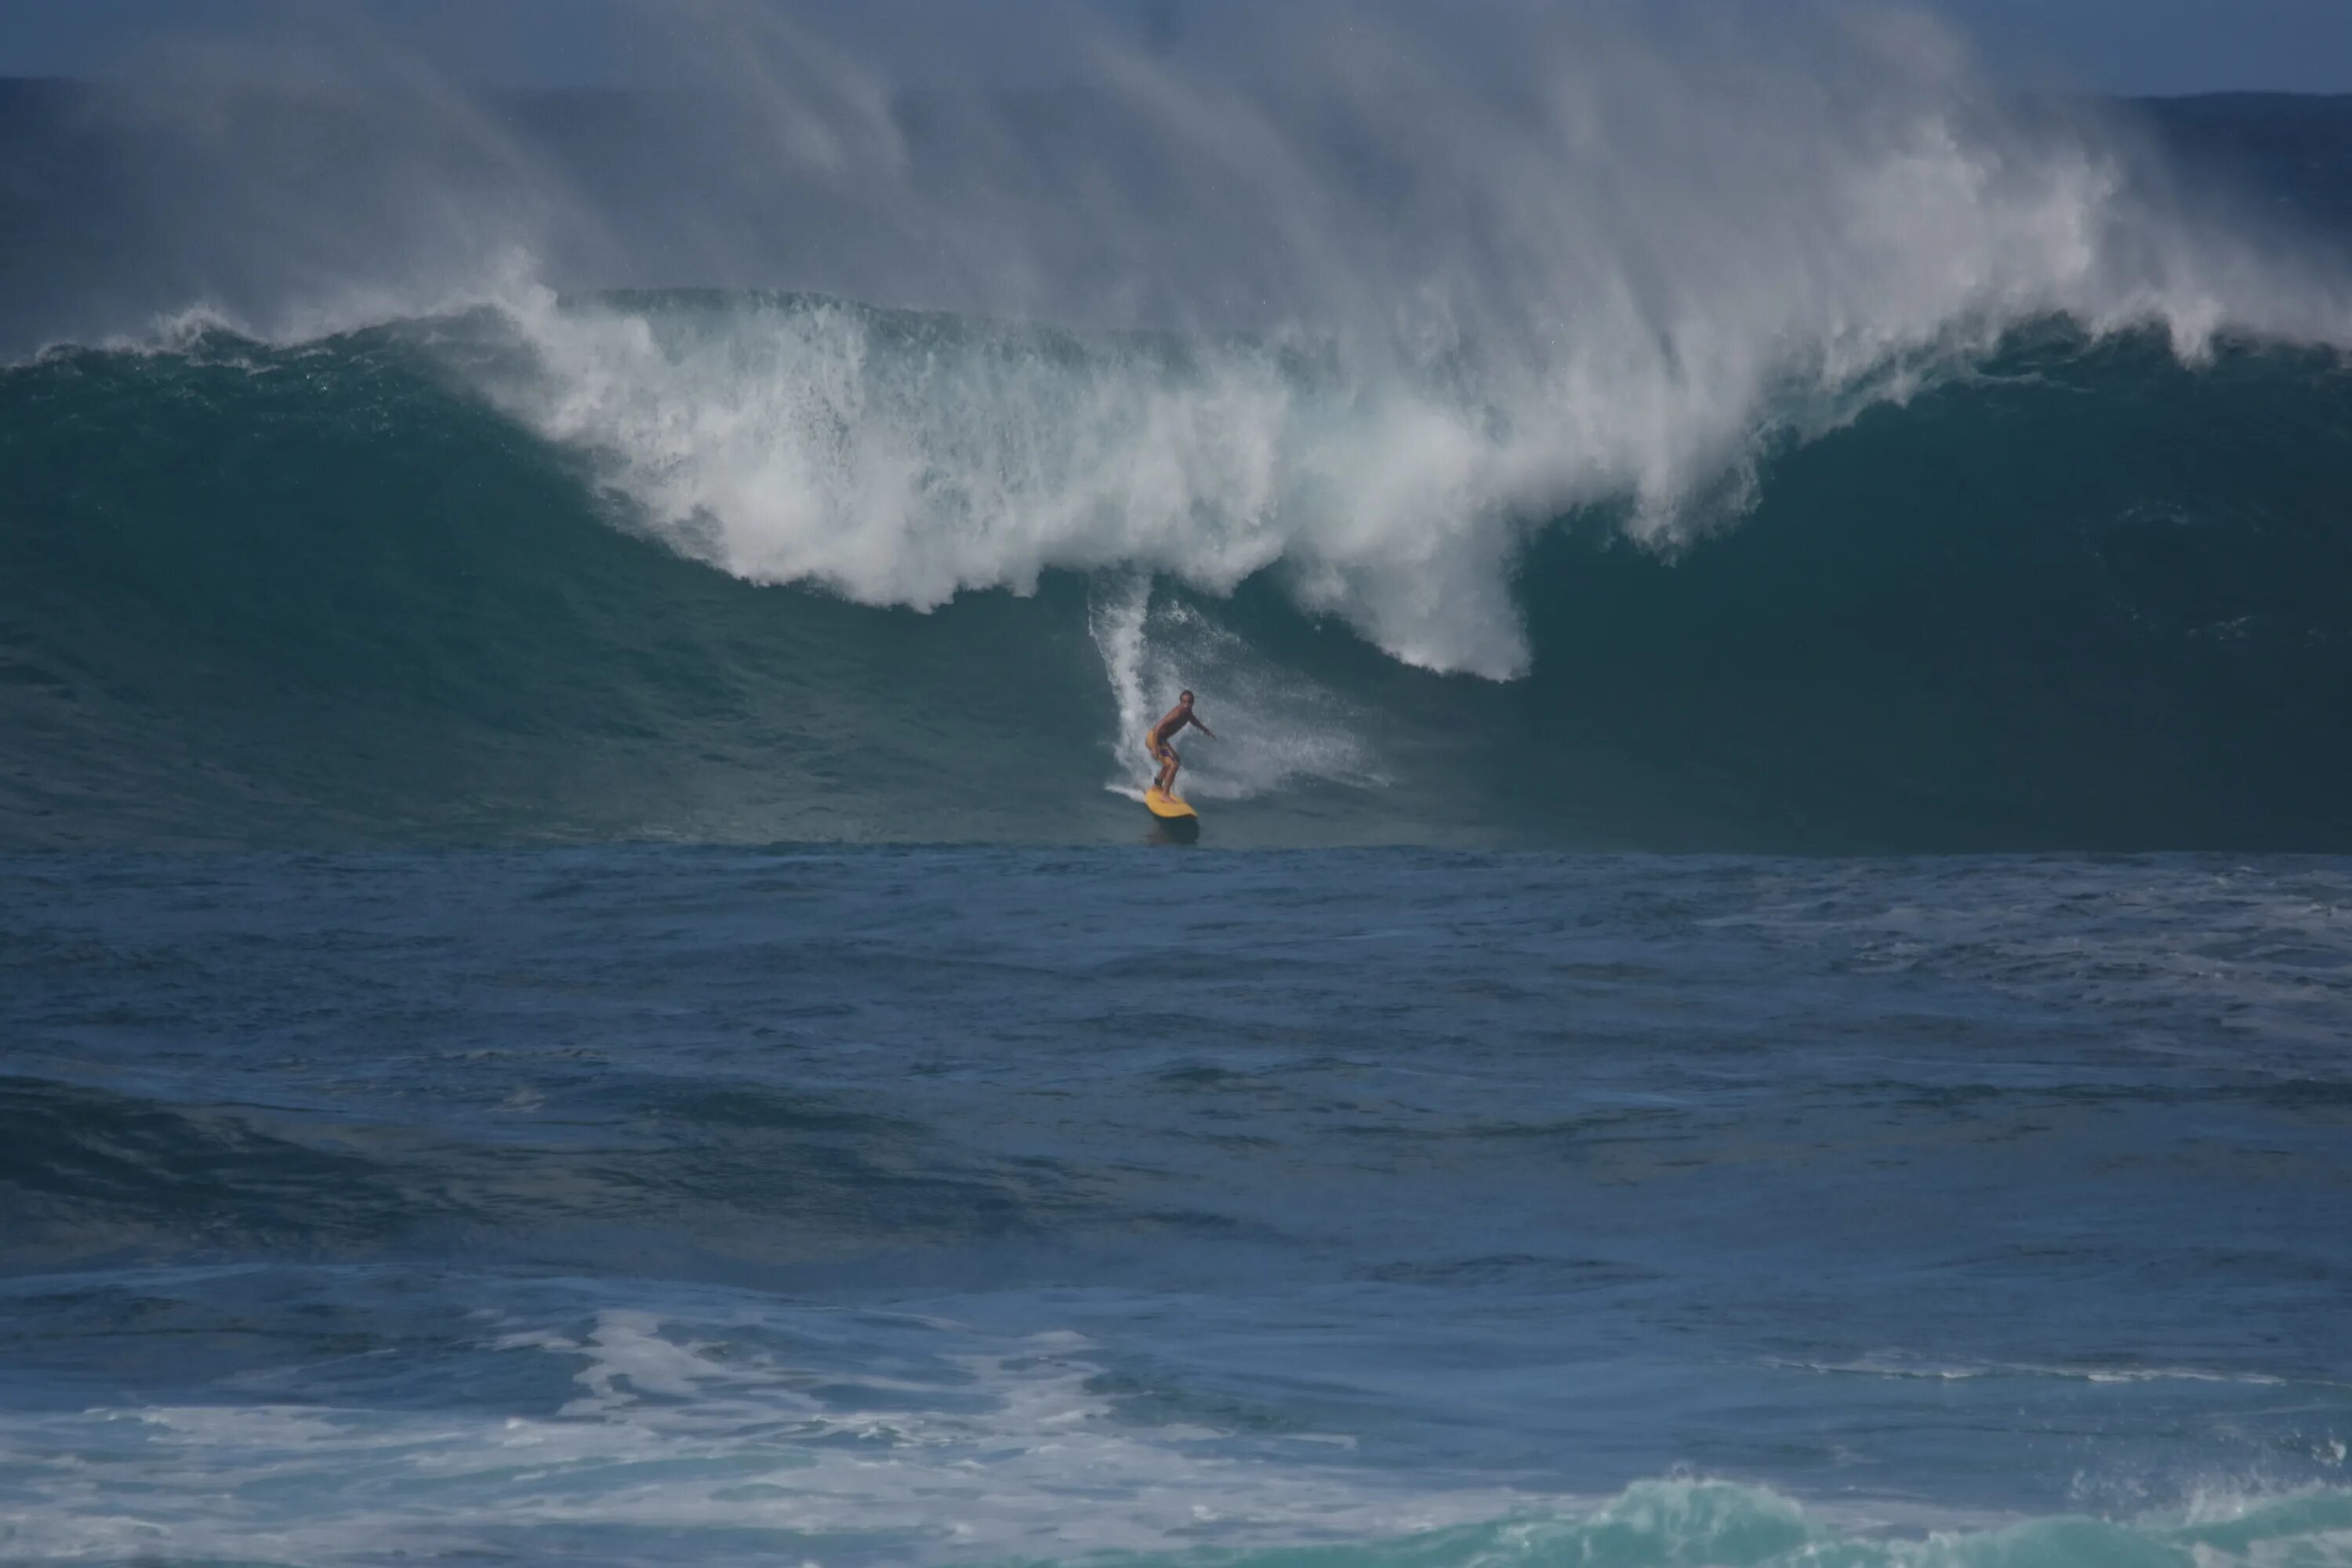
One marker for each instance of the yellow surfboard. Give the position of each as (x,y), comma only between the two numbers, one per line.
(1168,807)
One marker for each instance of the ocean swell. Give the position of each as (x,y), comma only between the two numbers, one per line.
(1705,436)
(329,592)
(1363,318)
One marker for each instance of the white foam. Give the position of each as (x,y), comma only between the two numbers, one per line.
(1622,289)
(950,1446)
(1272,726)
(1902,1368)
(728,1426)
(1614,268)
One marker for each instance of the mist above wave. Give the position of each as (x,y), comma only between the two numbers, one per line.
(1616,274)
(1438,278)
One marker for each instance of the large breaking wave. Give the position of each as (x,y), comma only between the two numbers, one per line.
(332,593)
(1817,449)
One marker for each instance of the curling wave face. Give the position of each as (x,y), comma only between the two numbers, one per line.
(1658,381)
(332,593)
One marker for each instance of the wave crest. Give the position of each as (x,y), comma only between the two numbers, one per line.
(1366,314)
(1621,279)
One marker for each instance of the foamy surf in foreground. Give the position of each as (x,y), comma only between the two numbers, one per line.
(734,1425)
(733,1428)
(876,1206)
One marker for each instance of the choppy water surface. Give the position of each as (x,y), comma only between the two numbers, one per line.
(630,1206)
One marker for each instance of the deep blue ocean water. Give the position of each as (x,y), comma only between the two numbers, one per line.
(961,1206)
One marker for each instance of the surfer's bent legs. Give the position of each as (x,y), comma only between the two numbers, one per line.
(1165,755)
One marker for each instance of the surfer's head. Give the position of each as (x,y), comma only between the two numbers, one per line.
(1184,700)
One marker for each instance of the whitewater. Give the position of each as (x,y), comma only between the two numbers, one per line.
(955,1206)
(1388,343)
(1383,318)
(582,978)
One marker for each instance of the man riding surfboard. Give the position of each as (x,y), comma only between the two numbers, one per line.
(1161,752)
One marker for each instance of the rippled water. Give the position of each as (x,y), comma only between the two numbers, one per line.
(953,1206)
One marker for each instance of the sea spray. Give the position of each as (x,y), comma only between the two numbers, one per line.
(1372,313)
(1769,406)
(1275,727)
(380,608)
(1116,614)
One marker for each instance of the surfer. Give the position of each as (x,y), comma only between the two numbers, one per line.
(1164,754)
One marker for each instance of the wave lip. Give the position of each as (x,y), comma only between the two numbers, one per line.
(1364,321)
(382,610)
(1767,410)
